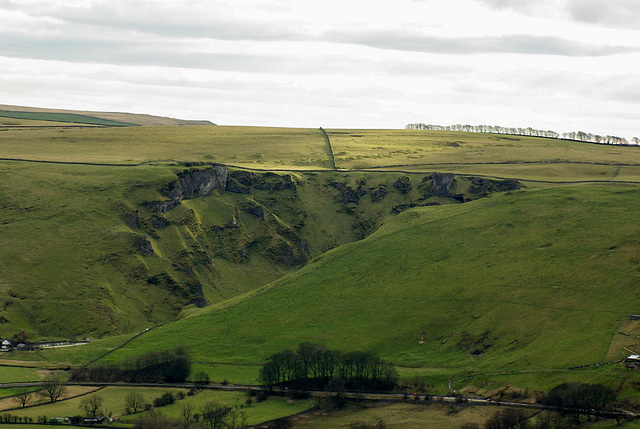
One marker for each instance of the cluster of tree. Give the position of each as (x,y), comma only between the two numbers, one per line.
(509,418)
(531,132)
(10,418)
(212,415)
(170,366)
(580,398)
(315,366)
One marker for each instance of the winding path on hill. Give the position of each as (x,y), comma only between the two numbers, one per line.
(102,356)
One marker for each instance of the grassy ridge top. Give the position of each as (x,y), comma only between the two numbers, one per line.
(413,151)
(530,280)
(522,157)
(248,146)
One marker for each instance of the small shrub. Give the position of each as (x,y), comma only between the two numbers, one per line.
(163,400)
(362,425)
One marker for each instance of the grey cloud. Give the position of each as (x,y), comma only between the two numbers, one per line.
(617,14)
(125,53)
(513,44)
(188,21)
(171,54)
(539,7)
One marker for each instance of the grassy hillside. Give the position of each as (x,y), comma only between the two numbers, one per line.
(526,280)
(95,250)
(513,282)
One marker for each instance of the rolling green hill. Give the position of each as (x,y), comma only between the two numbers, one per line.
(510,254)
(527,280)
(97,249)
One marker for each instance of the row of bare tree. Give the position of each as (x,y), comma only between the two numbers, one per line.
(531,132)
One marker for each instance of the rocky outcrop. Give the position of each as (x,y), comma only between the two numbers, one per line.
(143,246)
(441,184)
(378,193)
(403,184)
(347,194)
(197,183)
(191,184)
(483,187)
(191,292)
(244,182)
(253,208)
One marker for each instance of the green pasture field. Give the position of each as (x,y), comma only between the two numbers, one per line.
(17,374)
(256,147)
(356,149)
(273,408)
(496,275)
(527,158)
(545,173)
(60,117)
(10,391)
(31,426)
(114,403)
(417,416)
(55,357)
(400,415)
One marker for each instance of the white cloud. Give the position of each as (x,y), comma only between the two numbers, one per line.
(334,63)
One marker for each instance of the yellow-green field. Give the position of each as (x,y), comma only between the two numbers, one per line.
(264,148)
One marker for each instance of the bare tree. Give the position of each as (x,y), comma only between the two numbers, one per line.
(23,396)
(134,402)
(215,414)
(53,388)
(200,380)
(187,414)
(91,405)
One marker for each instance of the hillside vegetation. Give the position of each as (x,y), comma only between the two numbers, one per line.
(123,248)
(526,280)
(508,253)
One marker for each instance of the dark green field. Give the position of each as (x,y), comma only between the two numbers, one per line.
(61,117)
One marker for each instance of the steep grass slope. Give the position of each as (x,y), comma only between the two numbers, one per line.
(95,250)
(92,248)
(524,280)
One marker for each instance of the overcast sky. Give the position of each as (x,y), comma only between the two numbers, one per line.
(552,64)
